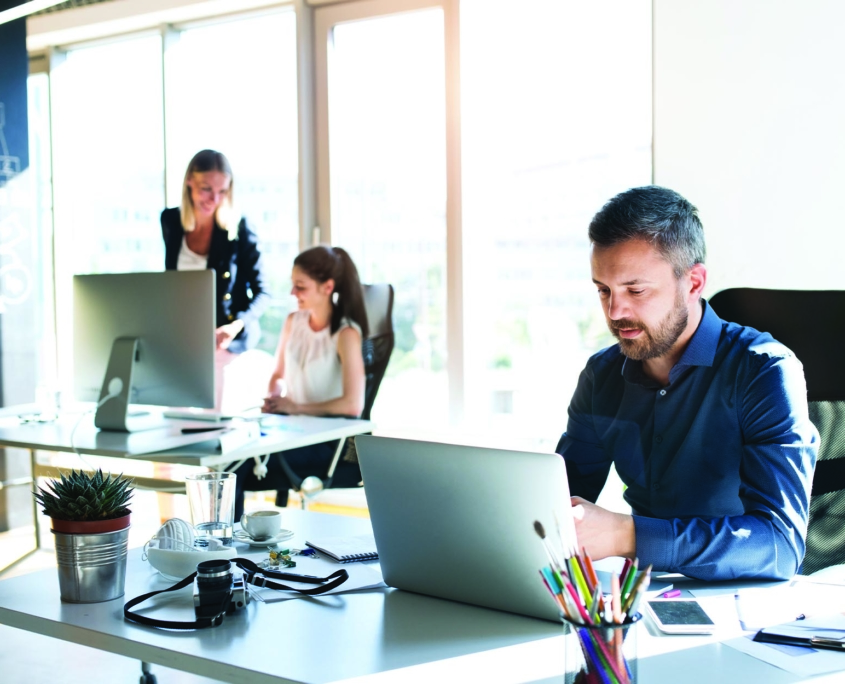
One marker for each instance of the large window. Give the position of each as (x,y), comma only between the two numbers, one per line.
(38,282)
(387,160)
(556,119)
(466,184)
(109,156)
(241,99)
(129,115)
(108,166)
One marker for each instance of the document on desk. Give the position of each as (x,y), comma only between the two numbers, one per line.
(363,575)
(822,604)
(799,660)
(763,607)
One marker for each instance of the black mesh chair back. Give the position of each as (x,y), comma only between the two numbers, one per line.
(812,324)
(377,348)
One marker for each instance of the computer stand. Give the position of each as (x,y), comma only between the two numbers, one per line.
(113,411)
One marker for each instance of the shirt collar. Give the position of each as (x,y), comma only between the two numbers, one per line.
(700,351)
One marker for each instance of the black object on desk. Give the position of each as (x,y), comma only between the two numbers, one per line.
(791,635)
(193,430)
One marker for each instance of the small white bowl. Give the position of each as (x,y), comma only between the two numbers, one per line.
(177,565)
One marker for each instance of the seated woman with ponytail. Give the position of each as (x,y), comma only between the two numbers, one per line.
(319,368)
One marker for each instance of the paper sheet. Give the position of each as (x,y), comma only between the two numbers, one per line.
(758,607)
(362,575)
(804,662)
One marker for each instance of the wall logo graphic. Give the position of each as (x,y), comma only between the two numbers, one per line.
(15,279)
(9,166)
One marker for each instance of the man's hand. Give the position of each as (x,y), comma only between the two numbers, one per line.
(602,532)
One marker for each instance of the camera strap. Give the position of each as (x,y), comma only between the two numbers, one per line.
(252,575)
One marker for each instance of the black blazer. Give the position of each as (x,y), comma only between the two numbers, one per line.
(240,287)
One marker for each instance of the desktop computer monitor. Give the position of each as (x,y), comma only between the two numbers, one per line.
(143,338)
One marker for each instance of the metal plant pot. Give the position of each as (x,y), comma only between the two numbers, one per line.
(92,566)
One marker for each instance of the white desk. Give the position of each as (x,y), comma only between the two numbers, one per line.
(169,444)
(279,433)
(367,637)
(166,445)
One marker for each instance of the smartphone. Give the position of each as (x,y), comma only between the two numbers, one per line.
(679,616)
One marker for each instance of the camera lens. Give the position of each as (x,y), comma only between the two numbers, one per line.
(213,568)
(214,576)
(213,588)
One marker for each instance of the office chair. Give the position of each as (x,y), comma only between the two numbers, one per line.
(812,324)
(376,349)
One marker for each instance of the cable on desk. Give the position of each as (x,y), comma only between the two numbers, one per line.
(115,388)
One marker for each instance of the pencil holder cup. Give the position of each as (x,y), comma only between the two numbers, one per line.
(600,654)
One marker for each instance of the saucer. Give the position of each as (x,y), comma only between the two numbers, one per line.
(242,536)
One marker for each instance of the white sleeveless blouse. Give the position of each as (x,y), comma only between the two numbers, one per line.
(313,371)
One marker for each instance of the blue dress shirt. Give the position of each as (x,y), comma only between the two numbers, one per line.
(718,464)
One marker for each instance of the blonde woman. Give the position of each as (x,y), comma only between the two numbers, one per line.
(206,232)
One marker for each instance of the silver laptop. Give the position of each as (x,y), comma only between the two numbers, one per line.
(457,522)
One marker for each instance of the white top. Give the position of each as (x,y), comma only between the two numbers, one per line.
(190,261)
(313,372)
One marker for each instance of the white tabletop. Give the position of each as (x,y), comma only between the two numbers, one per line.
(169,444)
(278,433)
(369,636)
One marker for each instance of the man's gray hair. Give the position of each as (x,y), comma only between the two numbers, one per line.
(657,215)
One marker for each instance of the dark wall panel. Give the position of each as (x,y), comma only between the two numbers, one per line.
(16,212)
(14,68)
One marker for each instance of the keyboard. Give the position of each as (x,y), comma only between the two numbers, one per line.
(198,414)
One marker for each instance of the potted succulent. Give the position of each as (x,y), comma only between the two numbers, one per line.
(89,517)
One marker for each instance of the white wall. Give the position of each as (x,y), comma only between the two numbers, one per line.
(750,126)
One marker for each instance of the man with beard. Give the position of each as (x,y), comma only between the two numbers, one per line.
(705,421)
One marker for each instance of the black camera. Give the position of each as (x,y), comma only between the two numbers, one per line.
(217,591)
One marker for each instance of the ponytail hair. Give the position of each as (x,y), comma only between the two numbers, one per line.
(322,263)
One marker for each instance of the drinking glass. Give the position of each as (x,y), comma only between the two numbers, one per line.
(211,497)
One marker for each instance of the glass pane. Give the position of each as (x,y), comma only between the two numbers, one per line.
(243,104)
(108,167)
(38,115)
(556,119)
(388,193)
(27,339)
(26,276)
(109,157)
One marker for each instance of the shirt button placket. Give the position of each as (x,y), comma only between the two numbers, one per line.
(658,439)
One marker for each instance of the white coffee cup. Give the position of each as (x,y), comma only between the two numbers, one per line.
(262,524)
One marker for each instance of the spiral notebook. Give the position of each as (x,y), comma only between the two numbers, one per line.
(347,549)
